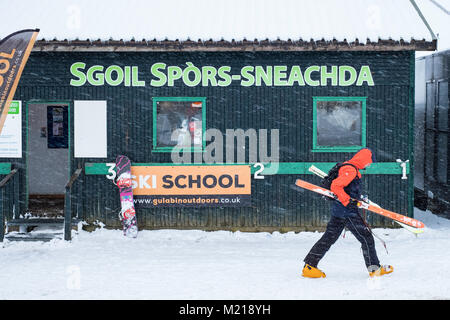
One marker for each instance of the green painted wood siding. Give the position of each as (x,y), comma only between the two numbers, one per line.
(290,109)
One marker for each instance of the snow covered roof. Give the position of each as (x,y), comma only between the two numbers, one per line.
(226,21)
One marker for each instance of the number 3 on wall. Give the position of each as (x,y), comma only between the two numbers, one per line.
(257,172)
(111,172)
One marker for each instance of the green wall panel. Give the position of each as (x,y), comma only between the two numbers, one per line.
(289,109)
(269,169)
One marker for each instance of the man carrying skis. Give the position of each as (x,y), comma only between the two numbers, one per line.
(344,213)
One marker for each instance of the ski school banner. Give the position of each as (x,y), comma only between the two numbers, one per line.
(14,52)
(191,186)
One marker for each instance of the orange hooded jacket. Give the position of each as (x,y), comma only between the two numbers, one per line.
(347,173)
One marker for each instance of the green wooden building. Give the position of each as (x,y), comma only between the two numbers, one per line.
(80,103)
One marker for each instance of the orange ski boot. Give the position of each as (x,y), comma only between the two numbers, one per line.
(311,272)
(375,271)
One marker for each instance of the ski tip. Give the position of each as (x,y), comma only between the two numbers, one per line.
(296,188)
(121,157)
(415,230)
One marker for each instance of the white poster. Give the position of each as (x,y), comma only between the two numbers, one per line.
(11,136)
(90,129)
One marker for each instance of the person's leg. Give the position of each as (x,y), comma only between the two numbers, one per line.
(365,237)
(332,233)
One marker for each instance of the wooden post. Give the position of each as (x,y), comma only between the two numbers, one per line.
(67,216)
(68,206)
(2,217)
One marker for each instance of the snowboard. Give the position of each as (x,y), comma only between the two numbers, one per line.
(127,213)
(413,224)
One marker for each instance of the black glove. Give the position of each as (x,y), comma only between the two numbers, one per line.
(352,205)
(365,198)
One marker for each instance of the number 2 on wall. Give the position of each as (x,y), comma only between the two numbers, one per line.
(257,172)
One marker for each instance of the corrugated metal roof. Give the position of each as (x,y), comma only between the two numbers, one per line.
(228,20)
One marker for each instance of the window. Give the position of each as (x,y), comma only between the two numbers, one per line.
(339,124)
(57,127)
(178,122)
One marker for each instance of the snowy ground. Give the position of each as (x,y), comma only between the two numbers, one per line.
(172,264)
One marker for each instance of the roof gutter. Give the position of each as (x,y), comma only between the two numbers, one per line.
(178,46)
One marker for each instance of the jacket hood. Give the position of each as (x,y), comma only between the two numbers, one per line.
(362,158)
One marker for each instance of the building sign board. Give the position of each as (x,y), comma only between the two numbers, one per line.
(11,135)
(191,186)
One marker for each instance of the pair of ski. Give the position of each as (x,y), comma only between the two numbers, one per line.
(408,223)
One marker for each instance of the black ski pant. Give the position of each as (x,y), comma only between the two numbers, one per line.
(334,229)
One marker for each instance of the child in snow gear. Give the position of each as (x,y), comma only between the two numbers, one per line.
(344,213)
